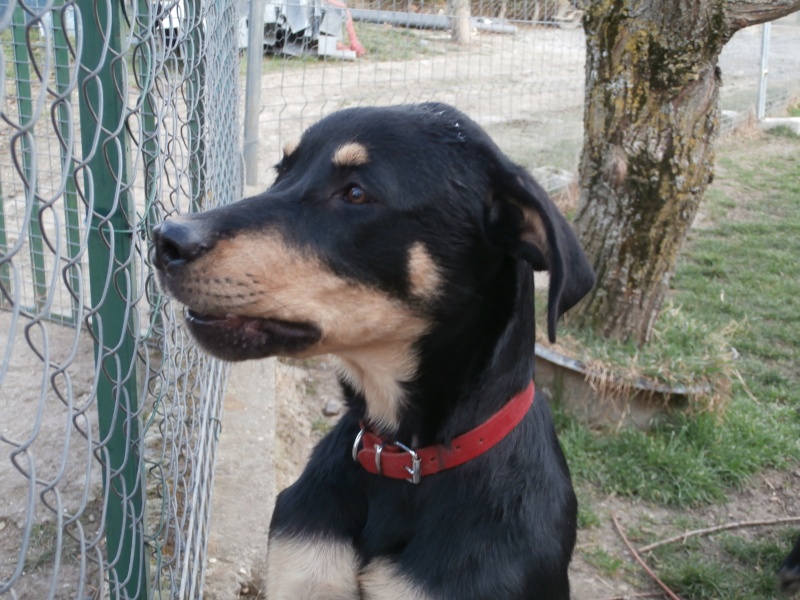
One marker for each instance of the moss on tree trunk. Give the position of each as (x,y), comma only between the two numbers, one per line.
(651,119)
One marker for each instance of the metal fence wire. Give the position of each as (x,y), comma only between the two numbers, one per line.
(116,114)
(518,69)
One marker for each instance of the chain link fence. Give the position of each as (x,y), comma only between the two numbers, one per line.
(114,116)
(515,66)
(760,72)
(518,71)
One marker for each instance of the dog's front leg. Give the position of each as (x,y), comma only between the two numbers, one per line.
(311,568)
(311,555)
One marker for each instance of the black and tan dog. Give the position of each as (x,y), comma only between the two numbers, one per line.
(401,240)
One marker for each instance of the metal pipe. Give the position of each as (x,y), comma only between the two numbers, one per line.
(761,107)
(426,21)
(110,242)
(252,94)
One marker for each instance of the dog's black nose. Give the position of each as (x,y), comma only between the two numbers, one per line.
(179,242)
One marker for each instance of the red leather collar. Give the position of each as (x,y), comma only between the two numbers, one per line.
(398,461)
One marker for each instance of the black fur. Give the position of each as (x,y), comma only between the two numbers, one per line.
(789,572)
(502,526)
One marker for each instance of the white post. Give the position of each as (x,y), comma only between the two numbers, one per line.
(761,107)
(252,94)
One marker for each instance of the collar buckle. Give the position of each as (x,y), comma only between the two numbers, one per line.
(415,470)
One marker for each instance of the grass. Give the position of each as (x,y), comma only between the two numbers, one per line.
(739,275)
(606,563)
(684,351)
(321,425)
(382,43)
(690,461)
(783,131)
(744,270)
(747,270)
(385,42)
(44,544)
(587,517)
(733,567)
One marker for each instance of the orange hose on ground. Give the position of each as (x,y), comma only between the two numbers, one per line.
(355,45)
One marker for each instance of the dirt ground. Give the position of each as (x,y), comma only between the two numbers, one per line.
(307,390)
(37,437)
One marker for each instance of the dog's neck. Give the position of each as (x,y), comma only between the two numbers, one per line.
(491,362)
(466,369)
(376,375)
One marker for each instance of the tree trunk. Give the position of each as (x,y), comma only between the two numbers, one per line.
(461,21)
(651,118)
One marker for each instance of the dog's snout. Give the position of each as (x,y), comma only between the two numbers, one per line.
(178,242)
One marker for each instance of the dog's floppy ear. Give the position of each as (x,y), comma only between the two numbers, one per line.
(527,224)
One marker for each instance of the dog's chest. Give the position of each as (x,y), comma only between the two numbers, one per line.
(328,569)
(391,520)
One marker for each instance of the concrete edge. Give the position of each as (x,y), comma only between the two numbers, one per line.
(244,486)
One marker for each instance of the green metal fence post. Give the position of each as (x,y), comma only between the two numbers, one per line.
(5,275)
(25,106)
(110,271)
(72,215)
(196,62)
(146,64)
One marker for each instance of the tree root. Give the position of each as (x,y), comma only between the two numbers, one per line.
(669,593)
(734,525)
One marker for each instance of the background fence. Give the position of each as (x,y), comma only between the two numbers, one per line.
(116,114)
(524,86)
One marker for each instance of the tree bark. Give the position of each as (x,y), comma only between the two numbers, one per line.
(651,119)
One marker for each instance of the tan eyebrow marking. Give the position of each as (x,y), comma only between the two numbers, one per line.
(422,272)
(290,147)
(352,154)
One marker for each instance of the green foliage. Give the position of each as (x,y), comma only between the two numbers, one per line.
(606,563)
(690,461)
(728,566)
(587,518)
(783,131)
(745,269)
(684,351)
(382,43)
(385,42)
(45,543)
(321,425)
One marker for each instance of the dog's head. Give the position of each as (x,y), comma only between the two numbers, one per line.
(379,221)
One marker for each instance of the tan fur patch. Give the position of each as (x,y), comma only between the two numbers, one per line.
(290,147)
(378,373)
(311,570)
(422,272)
(382,580)
(258,275)
(534,231)
(351,155)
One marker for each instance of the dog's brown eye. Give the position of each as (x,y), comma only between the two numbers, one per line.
(356,195)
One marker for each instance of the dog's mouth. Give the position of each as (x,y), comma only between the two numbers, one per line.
(235,337)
